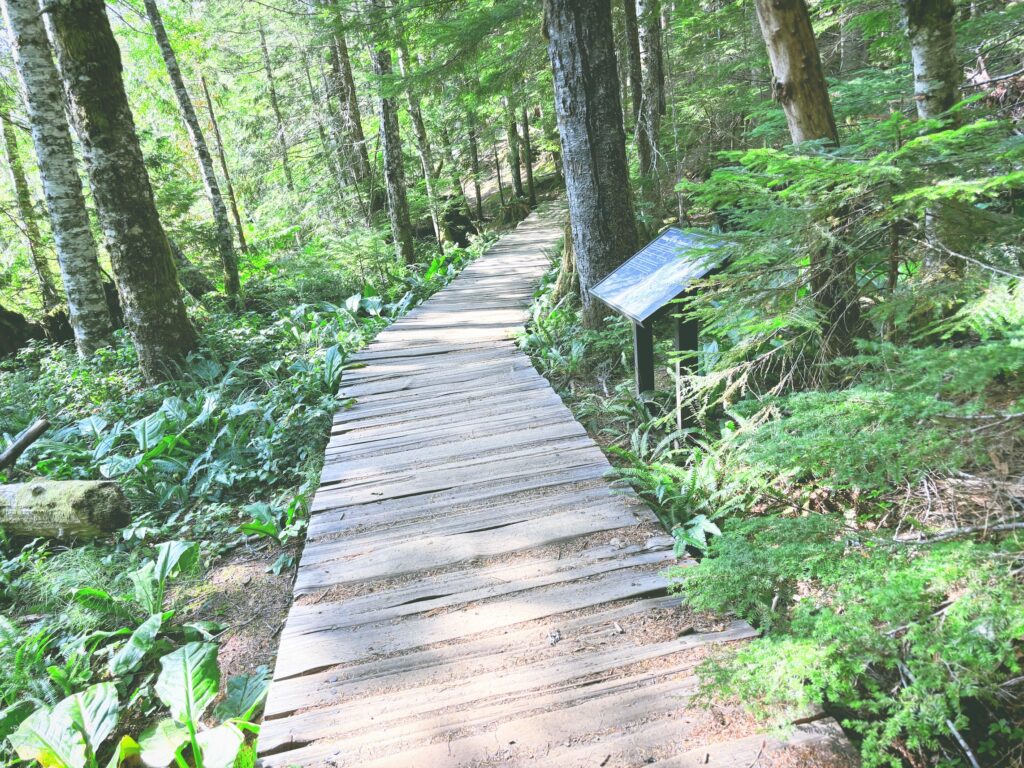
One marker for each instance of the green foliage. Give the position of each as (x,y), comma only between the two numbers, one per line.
(901,638)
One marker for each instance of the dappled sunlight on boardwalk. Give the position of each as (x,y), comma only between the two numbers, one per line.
(471,593)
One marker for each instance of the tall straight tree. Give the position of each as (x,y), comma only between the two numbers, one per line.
(222,158)
(799,84)
(391,141)
(648,14)
(528,158)
(633,58)
(798,79)
(582,52)
(419,128)
(474,159)
(275,106)
(23,197)
(514,155)
(937,77)
(147,282)
(62,186)
(225,241)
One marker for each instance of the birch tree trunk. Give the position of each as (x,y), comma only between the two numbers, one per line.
(652,98)
(633,57)
(62,186)
(391,146)
(937,71)
(937,76)
(147,282)
(26,212)
(514,161)
(275,106)
(219,142)
(582,54)
(225,241)
(798,83)
(528,159)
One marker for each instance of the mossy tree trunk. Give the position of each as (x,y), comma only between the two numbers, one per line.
(653,83)
(582,52)
(528,158)
(63,509)
(58,168)
(225,240)
(474,159)
(514,159)
(147,281)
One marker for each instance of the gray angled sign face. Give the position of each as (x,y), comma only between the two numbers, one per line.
(658,274)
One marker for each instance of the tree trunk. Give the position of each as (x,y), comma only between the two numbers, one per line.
(633,57)
(582,54)
(454,177)
(63,509)
(937,77)
(423,149)
(391,144)
(224,167)
(344,86)
(62,186)
(30,229)
(528,158)
(474,158)
(139,252)
(331,156)
(497,171)
(514,161)
(275,106)
(937,71)
(853,53)
(225,240)
(649,125)
(798,82)
(192,278)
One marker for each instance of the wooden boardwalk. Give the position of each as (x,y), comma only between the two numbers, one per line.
(470,593)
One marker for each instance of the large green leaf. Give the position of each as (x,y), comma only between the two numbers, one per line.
(160,742)
(93,712)
(50,739)
(245,694)
(12,716)
(189,680)
(220,745)
(173,557)
(141,642)
(128,752)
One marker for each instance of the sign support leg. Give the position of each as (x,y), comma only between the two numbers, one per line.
(687,343)
(643,357)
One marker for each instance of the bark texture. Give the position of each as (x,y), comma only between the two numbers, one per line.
(27,214)
(652,98)
(219,142)
(391,146)
(63,509)
(798,82)
(62,186)
(937,71)
(343,85)
(225,240)
(474,159)
(582,54)
(147,281)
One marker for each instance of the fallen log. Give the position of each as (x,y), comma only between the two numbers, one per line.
(63,509)
(23,441)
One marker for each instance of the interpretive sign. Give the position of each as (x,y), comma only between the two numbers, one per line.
(650,281)
(658,274)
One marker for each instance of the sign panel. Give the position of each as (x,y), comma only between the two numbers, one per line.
(657,274)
